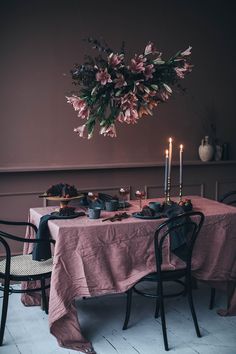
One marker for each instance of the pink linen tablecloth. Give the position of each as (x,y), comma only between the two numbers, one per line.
(92,257)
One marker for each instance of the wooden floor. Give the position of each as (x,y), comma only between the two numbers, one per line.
(101,319)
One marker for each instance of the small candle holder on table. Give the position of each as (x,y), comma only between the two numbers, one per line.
(124,192)
(140,195)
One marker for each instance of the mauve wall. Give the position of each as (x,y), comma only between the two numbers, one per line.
(40,42)
(42,39)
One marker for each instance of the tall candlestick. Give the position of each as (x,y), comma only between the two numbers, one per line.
(170,156)
(168,201)
(180,171)
(181,164)
(166,169)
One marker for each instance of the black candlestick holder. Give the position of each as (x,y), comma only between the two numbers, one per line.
(165,196)
(167,192)
(180,192)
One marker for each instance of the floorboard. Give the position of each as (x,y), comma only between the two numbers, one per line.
(101,319)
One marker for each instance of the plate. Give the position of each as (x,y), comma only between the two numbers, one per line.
(62,199)
(140,216)
(72,216)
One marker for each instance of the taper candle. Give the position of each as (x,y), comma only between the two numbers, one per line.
(170,157)
(181,164)
(166,168)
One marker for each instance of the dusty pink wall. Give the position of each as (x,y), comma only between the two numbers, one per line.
(41,40)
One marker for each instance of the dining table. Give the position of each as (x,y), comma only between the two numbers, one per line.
(93,257)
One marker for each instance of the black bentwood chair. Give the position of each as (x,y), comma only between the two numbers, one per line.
(20,268)
(189,225)
(228,198)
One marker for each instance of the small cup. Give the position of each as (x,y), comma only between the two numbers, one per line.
(112,205)
(94,213)
(156,206)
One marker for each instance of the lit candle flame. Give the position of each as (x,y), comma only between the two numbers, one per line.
(167,153)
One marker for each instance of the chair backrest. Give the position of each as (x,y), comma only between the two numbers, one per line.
(18,223)
(9,227)
(7,250)
(229,198)
(181,231)
(8,238)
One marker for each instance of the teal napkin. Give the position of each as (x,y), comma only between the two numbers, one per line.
(42,250)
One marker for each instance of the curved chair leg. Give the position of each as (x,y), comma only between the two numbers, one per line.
(128,307)
(163,319)
(4,309)
(212,298)
(191,305)
(157,302)
(44,297)
(157,308)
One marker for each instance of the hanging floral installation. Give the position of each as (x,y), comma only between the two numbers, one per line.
(108,90)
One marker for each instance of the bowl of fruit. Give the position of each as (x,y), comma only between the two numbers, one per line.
(186,204)
(61,192)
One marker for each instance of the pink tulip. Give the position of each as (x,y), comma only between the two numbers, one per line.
(120,81)
(149,70)
(103,77)
(80,130)
(109,131)
(84,113)
(188,67)
(120,117)
(115,59)
(131,116)
(186,52)
(182,71)
(164,94)
(76,102)
(79,105)
(129,101)
(137,64)
(149,48)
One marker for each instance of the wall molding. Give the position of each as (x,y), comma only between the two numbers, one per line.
(128,165)
(176,186)
(22,193)
(220,182)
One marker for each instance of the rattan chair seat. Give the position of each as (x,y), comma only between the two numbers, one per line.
(23,265)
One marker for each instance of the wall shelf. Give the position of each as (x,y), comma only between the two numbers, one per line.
(109,166)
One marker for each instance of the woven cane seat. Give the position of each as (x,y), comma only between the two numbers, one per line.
(22,268)
(24,265)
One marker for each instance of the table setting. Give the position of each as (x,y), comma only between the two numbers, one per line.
(105,249)
(94,203)
(105,257)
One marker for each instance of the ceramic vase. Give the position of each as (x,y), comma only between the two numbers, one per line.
(218,152)
(206,150)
